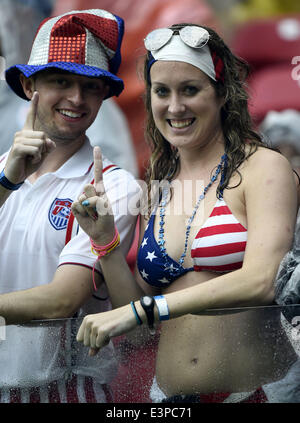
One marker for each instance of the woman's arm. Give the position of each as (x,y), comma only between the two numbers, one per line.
(271,207)
(123,285)
(94,214)
(271,203)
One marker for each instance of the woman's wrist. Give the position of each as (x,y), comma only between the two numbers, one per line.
(160,310)
(105,249)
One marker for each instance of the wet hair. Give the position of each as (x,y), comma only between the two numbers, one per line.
(241,140)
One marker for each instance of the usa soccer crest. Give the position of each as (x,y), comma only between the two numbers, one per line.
(59,213)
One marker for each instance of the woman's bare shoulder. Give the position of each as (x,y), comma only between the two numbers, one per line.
(267,160)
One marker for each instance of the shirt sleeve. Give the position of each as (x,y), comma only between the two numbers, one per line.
(124,194)
(3,159)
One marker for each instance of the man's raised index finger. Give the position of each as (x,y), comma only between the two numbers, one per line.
(98,167)
(31,115)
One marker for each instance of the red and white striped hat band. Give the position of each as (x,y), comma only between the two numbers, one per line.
(86,42)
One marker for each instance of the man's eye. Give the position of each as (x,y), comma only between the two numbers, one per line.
(93,86)
(60,81)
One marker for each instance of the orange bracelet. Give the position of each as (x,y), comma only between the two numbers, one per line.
(104,250)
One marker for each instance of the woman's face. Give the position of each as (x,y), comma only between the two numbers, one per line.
(184,104)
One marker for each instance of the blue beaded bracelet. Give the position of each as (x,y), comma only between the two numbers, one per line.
(138,319)
(7,184)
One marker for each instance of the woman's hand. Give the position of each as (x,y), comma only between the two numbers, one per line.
(96,330)
(93,210)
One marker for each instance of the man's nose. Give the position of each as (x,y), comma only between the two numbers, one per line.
(76,94)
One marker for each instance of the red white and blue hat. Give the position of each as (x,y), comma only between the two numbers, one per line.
(85,42)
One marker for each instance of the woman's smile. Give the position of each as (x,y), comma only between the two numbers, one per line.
(181,123)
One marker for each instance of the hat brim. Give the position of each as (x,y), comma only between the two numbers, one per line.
(12,75)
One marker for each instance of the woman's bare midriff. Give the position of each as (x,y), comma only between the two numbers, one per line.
(232,352)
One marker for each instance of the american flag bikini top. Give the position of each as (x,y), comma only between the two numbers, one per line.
(219,246)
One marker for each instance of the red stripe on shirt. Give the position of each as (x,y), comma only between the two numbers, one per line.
(71,388)
(89,390)
(1,160)
(69,228)
(15,395)
(34,395)
(53,392)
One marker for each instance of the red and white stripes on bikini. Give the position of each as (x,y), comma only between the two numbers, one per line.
(220,244)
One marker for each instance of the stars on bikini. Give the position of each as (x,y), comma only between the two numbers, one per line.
(170,267)
(145,241)
(164,280)
(144,274)
(151,256)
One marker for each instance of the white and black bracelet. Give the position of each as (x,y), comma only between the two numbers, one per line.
(162,307)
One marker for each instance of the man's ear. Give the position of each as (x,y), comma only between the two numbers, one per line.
(28,85)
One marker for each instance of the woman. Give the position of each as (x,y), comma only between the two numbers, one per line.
(222,252)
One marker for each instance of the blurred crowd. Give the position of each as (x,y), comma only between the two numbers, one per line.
(266,33)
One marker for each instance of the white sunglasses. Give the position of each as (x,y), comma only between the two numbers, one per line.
(193,36)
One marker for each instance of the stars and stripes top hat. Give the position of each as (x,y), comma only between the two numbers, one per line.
(85,42)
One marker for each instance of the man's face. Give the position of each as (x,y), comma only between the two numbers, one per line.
(68,104)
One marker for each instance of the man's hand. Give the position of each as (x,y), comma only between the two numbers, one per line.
(29,149)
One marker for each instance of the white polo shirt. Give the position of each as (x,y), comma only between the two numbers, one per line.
(37,236)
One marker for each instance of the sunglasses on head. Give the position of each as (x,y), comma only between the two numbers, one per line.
(192,36)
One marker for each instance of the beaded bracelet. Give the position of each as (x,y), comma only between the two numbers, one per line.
(104,250)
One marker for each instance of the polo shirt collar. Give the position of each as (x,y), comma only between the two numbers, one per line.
(79,164)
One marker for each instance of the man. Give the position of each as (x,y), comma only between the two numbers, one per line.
(15,44)
(46,266)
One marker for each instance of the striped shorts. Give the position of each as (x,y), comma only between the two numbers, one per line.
(77,389)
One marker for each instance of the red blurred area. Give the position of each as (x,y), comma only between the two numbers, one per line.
(272,48)
(274,88)
(268,41)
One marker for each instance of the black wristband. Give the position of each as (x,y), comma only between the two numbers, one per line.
(147,302)
(7,184)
